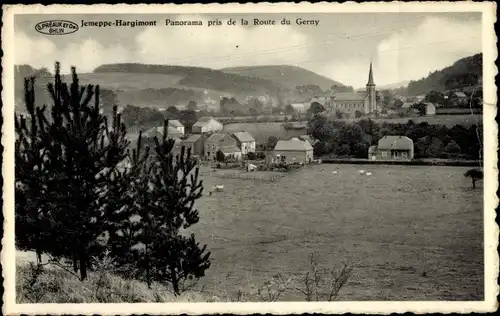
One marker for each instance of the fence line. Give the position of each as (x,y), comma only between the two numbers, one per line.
(243,176)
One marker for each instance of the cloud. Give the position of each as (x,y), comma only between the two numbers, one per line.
(434,44)
(32,51)
(406,54)
(214,46)
(221,46)
(85,54)
(409,54)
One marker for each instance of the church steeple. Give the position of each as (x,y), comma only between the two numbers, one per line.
(371,105)
(370,77)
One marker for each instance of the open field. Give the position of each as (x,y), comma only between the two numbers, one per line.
(393,226)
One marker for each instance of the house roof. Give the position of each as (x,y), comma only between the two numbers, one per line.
(177,141)
(159,130)
(395,142)
(175,123)
(460,94)
(230,149)
(429,104)
(406,105)
(202,121)
(244,137)
(293,145)
(320,100)
(372,149)
(215,137)
(193,138)
(347,96)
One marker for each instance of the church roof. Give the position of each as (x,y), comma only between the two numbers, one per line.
(370,77)
(347,96)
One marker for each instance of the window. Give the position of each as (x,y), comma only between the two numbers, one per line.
(404,154)
(384,153)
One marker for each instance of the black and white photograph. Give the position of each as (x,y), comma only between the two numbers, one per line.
(281,158)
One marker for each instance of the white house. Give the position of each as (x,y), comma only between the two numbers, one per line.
(158,132)
(245,142)
(177,125)
(293,151)
(207,125)
(299,107)
(430,109)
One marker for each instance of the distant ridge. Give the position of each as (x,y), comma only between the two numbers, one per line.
(464,73)
(288,76)
(197,77)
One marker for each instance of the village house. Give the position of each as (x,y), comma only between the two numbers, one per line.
(158,132)
(405,108)
(245,142)
(408,109)
(177,125)
(222,142)
(207,125)
(292,151)
(177,149)
(196,143)
(392,148)
(430,109)
(458,98)
(298,107)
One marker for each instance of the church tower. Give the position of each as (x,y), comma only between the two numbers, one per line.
(371,92)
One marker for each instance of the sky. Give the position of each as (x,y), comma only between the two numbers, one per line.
(402,46)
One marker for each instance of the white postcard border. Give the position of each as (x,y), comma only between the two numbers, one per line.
(491,258)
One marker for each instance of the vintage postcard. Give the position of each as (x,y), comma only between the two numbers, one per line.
(250,158)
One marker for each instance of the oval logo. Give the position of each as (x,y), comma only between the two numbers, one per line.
(56,27)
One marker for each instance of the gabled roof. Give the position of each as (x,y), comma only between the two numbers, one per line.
(293,145)
(244,137)
(159,130)
(175,123)
(460,94)
(407,105)
(230,149)
(429,104)
(193,138)
(347,96)
(202,121)
(395,142)
(215,137)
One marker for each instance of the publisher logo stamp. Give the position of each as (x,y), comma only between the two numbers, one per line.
(56,27)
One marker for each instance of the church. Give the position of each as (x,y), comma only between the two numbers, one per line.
(362,102)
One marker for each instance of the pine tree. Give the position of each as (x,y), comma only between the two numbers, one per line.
(80,155)
(165,194)
(31,175)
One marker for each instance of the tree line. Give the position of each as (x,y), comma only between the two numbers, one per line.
(81,194)
(340,138)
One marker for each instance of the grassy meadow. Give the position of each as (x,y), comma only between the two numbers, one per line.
(412,233)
